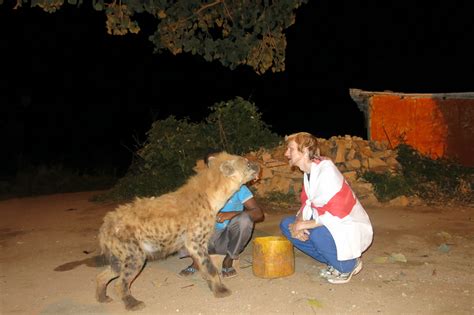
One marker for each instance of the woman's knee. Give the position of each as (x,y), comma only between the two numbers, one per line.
(285,222)
(322,238)
(321,232)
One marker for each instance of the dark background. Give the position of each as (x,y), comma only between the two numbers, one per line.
(73,95)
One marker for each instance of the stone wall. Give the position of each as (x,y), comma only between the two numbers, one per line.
(352,155)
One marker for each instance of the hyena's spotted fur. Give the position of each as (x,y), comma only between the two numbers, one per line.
(159,226)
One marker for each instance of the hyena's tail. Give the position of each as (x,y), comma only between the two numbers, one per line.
(98,260)
(105,238)
(95,262)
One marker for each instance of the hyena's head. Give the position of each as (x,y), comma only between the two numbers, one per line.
(236,167)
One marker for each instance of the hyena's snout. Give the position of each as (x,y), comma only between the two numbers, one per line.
(254,170)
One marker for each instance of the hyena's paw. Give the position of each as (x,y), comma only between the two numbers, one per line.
(102,298)
(132,304)
(221,291)
(106,300)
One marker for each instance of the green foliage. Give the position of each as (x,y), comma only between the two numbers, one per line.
(280,198)
(435,179)
(430,179)
(166,159)
(388,186)
(239,127)
(244,32)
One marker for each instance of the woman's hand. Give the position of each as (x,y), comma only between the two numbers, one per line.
(298,232)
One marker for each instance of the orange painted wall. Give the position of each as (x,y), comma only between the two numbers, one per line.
(434,126)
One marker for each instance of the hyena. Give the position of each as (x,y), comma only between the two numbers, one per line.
(157,227)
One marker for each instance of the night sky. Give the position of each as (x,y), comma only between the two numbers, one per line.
(72,94)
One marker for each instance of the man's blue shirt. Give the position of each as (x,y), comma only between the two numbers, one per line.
(235,203)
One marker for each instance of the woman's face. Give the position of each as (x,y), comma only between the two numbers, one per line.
(295,157)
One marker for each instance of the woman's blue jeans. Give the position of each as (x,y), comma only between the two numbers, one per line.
(319,246)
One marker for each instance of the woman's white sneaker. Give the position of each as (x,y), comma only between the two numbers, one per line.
(340,277)
(326,272)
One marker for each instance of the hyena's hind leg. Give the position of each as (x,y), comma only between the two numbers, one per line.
(130,267)
(208,270)
(104,278)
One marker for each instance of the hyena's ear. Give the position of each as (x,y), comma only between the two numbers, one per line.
(211,160)
(227,168)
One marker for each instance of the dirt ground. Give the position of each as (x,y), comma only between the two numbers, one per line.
(421,262)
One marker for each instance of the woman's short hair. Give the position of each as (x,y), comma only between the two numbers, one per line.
(305,140)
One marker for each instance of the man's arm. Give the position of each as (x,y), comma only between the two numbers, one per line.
(250,206)
(253,210)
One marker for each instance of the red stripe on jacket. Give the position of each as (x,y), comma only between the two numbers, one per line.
(340,205)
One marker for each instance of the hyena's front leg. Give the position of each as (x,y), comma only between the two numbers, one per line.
(207,269)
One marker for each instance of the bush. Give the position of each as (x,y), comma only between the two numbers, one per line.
(436,178)
(166,159)
(388,186)
(239,127)
(277,197)
(430,179)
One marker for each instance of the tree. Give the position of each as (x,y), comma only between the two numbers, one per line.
(234,32)
(167,158)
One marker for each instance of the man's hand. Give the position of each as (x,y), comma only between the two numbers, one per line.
(222,216)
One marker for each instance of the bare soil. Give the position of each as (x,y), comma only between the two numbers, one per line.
(421,262)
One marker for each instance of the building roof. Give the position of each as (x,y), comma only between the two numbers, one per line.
(361,97)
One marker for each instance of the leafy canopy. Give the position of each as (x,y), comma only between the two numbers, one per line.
(240,32)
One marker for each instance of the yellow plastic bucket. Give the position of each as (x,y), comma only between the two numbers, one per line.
(273,257)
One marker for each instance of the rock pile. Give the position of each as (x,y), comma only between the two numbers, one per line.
(352,155)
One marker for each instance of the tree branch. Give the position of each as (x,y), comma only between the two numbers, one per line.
(204,7)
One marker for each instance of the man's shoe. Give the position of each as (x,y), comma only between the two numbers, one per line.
(229,272)
(188,271)
(340,278)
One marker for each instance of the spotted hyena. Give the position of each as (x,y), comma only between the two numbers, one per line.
(159,226)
